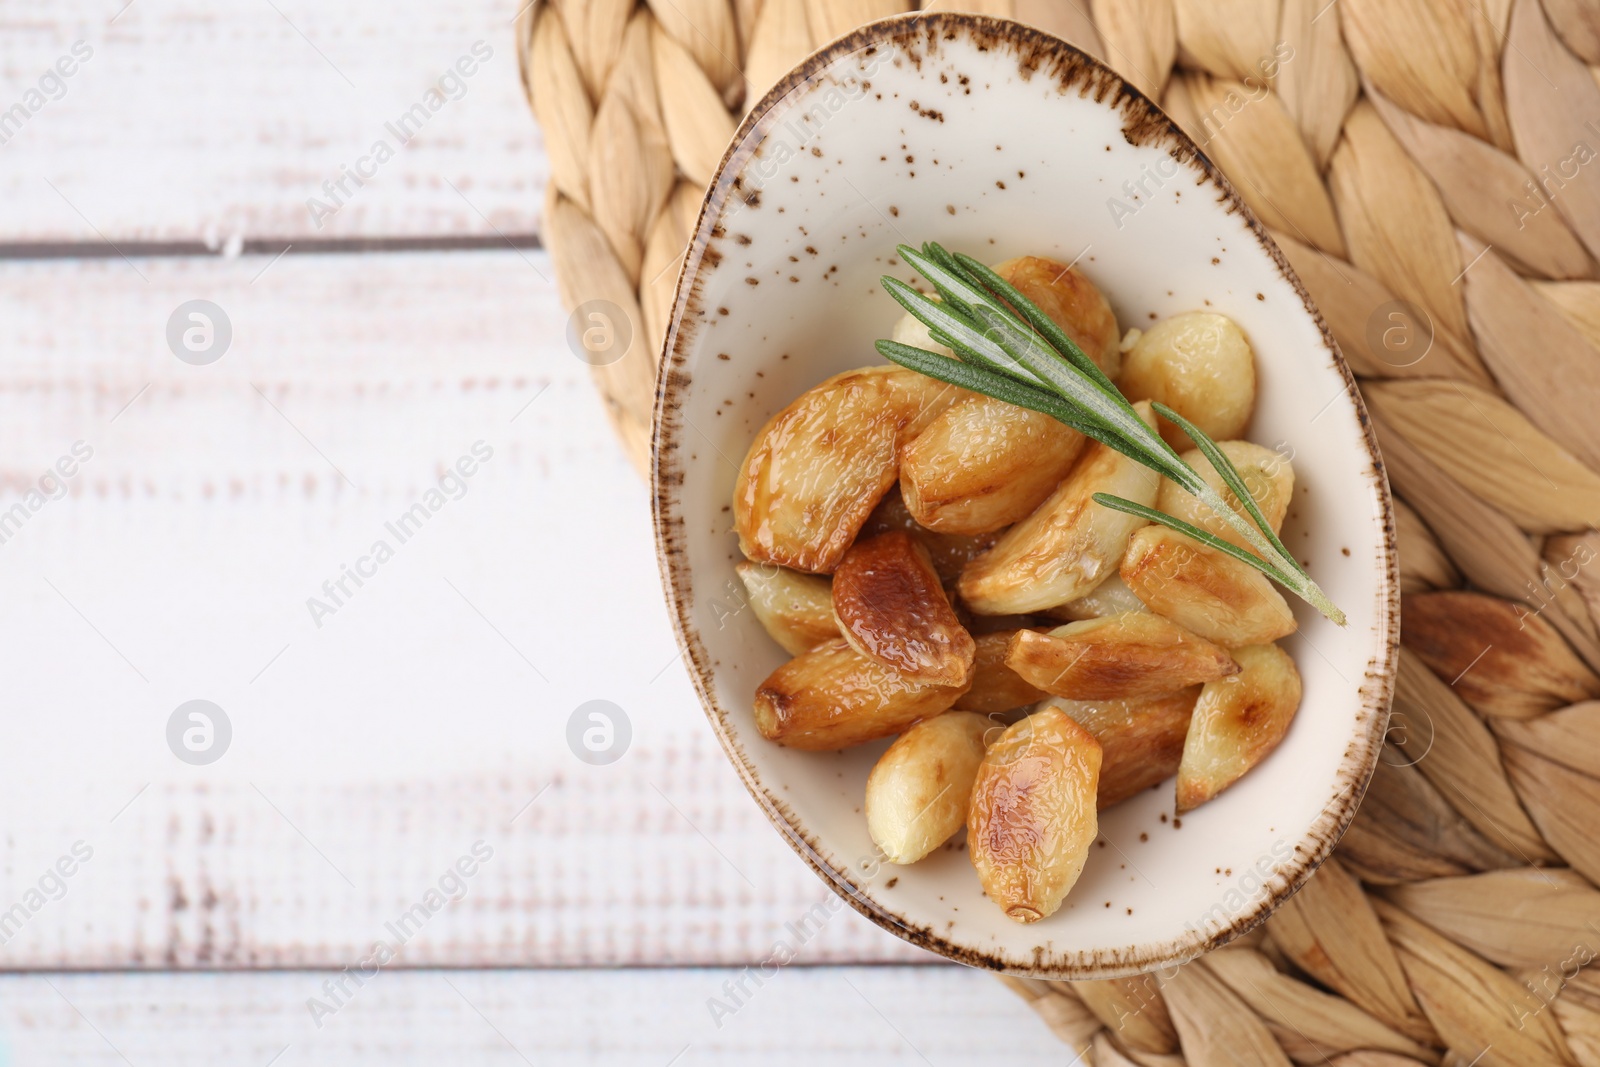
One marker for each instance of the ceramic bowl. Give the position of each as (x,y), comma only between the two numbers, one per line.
(995,139)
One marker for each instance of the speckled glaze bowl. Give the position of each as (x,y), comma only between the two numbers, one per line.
(995,139)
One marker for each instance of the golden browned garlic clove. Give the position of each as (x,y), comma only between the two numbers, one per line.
(984,464)
(1032,817)
(891,608)
(1069,545)
(919,790)
(1204,591)
(1110,597)
(818,467)
(950,552)
(796,609)
(1141,741)
(1267,474)
(1237,721)
(1072,302)
(834,697)
(996,687)
(1199,365)
(1122,657)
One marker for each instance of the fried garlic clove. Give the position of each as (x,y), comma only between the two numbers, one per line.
(1110,597)
(795,609)
(984,464)
(1237,721)
(1200,365)
(1141,740)
(1267,474)
(1032,817)
(1204,591)
(919,790)
(1122,657)
(995,686)
(1072,302)
(818,467)
(1067,547)
(834,697)
(891,608)
(950,552)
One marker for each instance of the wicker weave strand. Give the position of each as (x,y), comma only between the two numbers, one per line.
(1414,150)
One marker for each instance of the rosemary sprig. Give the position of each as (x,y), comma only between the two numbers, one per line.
(1009,349)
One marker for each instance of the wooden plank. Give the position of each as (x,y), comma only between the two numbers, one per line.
(800,1016)
(376,741)
(201,122)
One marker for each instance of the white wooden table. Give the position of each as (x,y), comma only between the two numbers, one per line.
(163,910)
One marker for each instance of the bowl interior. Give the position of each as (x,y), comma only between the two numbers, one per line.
(1000,141)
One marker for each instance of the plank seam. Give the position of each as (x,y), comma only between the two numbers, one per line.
(25,250)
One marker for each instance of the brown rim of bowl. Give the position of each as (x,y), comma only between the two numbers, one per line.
(1143,123)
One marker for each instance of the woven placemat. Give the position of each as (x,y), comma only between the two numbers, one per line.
(1432,170)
